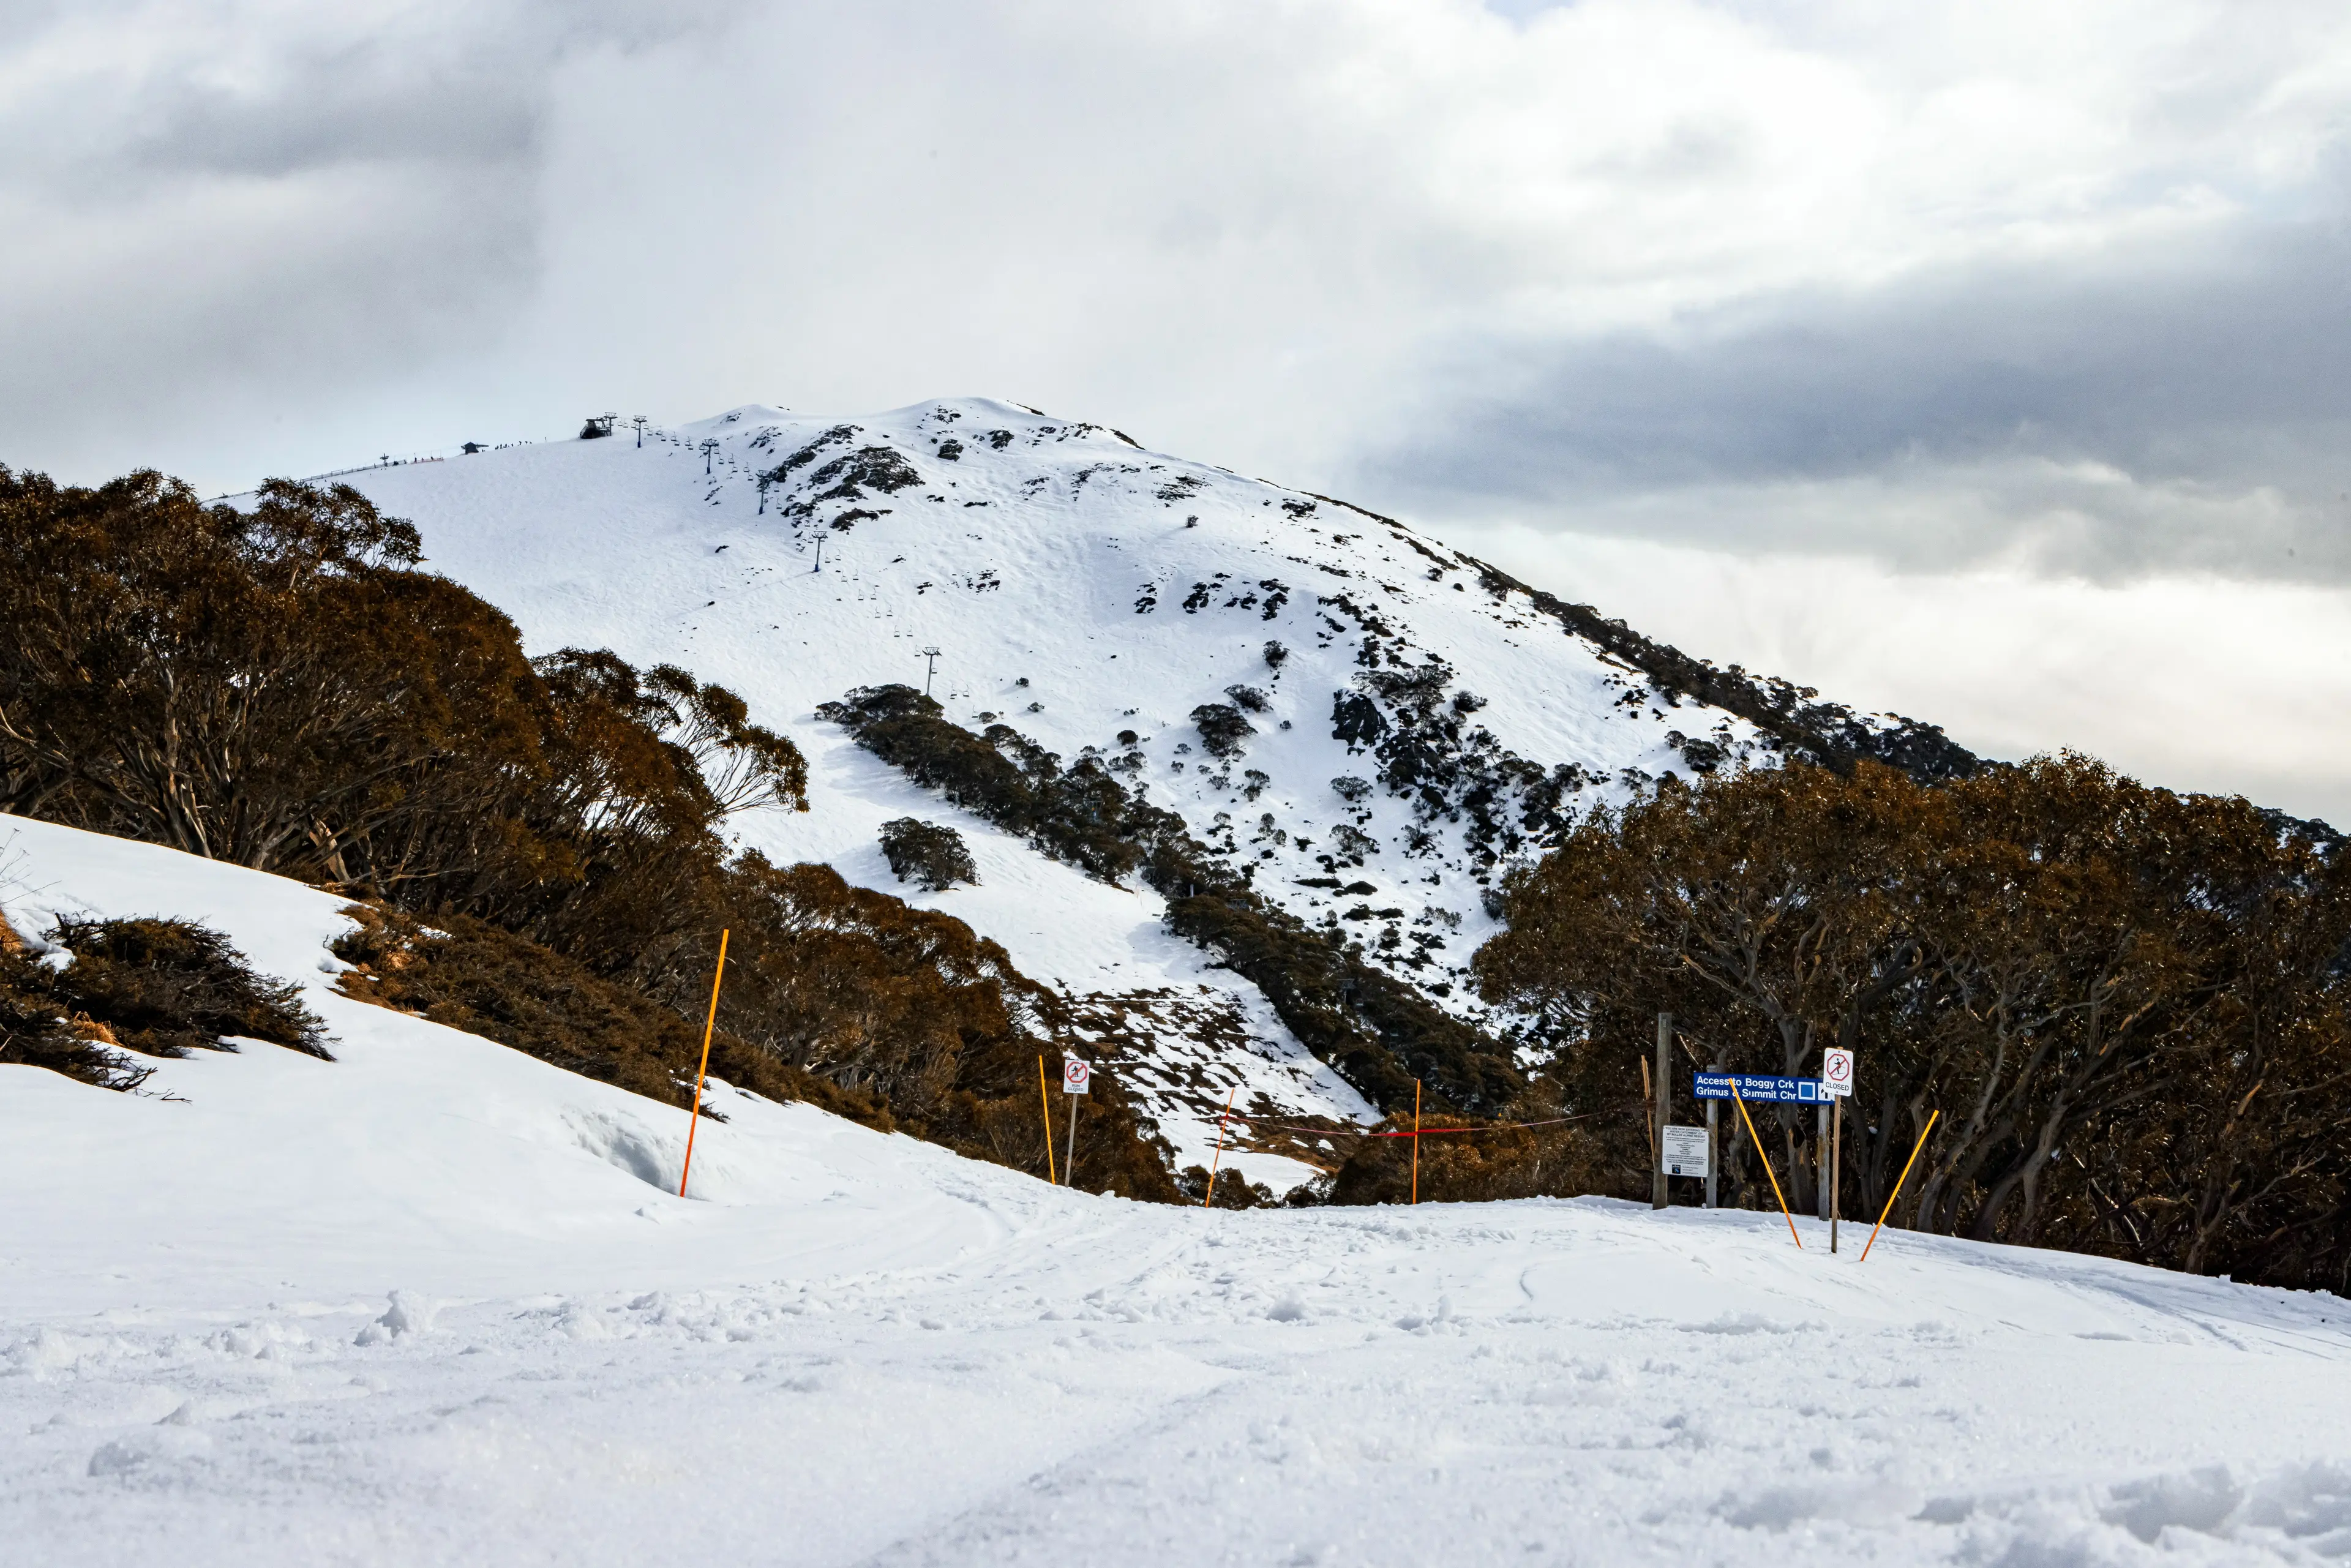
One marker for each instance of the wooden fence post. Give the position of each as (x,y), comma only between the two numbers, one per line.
(1664,1106)
(1713,1146)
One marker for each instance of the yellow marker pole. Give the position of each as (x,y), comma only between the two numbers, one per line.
(708,1024)
(1767,1163)
(1416,1143)
(1219,1160)
(1045,1098)
(1897,1186)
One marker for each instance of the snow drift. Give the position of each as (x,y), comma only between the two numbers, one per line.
(436,1301)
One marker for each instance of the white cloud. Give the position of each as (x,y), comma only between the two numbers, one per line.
(1998,287)
(2207,683)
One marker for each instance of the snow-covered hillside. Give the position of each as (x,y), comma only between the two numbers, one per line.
(436,1301)
(1372,725)
(1079,588)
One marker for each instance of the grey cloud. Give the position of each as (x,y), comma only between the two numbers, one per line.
(2179,405)
(247,213)
(356,105)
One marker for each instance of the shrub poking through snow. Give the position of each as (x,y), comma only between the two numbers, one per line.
(1232,1190)
(1222,729)
(35,1030)
(1378,1032)
(1247,698)
(158,987)
(167,987)
(932,857)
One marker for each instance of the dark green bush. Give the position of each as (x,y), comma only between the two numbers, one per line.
(1378,1031)
(1222,729)
(932,856)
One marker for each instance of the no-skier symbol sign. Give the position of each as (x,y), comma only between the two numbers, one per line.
(1077,1077)
(1837,1073)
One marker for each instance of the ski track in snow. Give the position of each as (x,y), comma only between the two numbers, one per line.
(436,1301)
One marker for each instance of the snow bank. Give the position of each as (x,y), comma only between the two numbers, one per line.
(436,1301)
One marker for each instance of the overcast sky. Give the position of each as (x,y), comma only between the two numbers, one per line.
(1986,362)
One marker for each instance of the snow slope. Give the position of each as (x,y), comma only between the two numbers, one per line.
(436,1301)
(1079,588)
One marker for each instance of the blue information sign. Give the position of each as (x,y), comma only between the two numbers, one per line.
(1760,1089)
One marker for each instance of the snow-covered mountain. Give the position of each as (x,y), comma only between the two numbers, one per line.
(1368,725)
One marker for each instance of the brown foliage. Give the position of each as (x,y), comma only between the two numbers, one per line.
(848,999)
(1494,1161)
(158,987)
(166,988)
(281,687)
(469,974)
(38,1029)
(2128,1003)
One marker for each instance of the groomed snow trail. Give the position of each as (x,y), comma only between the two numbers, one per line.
(437,1302)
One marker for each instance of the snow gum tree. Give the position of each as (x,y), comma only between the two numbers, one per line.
(2128,1004)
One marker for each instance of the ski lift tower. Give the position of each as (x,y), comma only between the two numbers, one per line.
(930,668)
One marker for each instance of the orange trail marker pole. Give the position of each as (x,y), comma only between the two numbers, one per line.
(703,1072)
(1045,1099)
(1211,1198)
(1767,1165)
(1416,1143)
(1897,1186)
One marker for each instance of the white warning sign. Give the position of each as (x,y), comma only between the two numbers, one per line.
(1077,1078)
(1685,1151)
(1836,1074)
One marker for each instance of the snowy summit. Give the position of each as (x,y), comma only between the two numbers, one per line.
(1367,725)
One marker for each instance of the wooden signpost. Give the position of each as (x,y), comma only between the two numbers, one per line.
(1077,1078)
(1416,1143)
(1830,1091)
(1836,1077)
(1713,1150)
(1662,1108)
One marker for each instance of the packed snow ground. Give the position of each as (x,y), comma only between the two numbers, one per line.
(435,1302)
